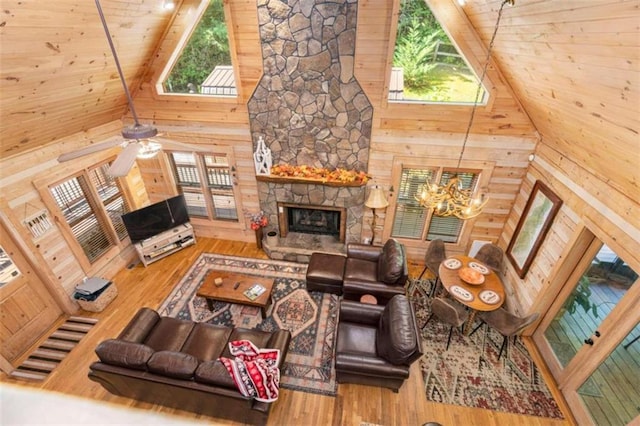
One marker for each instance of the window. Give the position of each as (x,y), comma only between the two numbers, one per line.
(91,204)
(212,197)
(411,220)
(204,65)
(8,270)
(427,66)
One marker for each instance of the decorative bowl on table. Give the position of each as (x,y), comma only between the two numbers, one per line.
(470,276)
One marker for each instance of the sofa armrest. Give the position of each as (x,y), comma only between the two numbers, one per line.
(360,313)
(363,251)
(140,326)
(280,340)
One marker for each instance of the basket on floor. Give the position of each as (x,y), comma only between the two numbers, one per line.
(101,301)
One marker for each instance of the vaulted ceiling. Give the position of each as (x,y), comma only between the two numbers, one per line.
(572,64)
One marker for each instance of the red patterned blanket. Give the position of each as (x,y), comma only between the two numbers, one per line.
(255,371)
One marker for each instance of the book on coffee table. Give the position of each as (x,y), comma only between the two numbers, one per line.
(254,291)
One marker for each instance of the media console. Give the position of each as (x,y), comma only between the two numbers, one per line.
(165,243)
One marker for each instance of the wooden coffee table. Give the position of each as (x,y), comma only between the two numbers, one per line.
(227,293)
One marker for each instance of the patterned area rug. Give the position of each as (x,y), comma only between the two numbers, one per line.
(309,316)
(469,372)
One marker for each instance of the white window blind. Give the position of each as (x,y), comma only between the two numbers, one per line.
(74,200)
(218,185)
(410,218)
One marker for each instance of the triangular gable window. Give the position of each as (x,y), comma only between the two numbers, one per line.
(204,66)
(427,66)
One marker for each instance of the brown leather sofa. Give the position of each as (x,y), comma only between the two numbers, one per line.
(376,345)
(379,271)
(174,363)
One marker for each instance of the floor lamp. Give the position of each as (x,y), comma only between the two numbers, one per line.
(376,200)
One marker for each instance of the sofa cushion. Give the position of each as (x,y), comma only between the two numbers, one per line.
(169,334)
(124,354)
(391,262)
(397,340)
(173,364)
(214,373)
(206,341)
(257,337)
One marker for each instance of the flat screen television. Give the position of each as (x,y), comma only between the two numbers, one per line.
(156,218)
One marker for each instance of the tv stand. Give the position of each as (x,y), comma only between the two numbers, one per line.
(165,243)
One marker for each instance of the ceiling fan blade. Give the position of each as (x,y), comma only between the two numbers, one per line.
(171,144)
(96,147)
(124,161)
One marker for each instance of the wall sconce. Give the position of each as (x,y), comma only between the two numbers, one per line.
(376,200)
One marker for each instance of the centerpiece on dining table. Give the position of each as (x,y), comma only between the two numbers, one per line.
(470,275)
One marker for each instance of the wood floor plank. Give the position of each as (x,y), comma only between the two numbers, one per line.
(354,404)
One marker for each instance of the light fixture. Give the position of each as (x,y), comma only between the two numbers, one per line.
(168,5)
(451,199)
(148,149)
(376,200)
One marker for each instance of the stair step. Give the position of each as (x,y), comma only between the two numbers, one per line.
(67,335)
(38,364)
(83,320)
(58,344)
(29,375)
(74,326)
(49,354)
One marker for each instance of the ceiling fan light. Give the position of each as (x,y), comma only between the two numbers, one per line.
(148,150)
(139,131)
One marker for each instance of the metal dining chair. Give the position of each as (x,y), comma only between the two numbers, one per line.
(449,312)
(434,255)
(505,323)
(491,255)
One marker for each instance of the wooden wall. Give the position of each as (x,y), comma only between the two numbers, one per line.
(572,67)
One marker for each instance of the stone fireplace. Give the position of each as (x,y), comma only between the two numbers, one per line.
(309,107)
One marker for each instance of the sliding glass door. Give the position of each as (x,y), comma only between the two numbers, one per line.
(591,338)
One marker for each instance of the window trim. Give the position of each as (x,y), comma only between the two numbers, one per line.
(44,185)
(483,168)
(185,22)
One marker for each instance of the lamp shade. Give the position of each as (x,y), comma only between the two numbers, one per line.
(376,199)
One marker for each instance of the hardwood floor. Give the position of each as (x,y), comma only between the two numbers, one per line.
(354,404)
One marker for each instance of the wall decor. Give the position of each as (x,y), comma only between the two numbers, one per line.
(537,216)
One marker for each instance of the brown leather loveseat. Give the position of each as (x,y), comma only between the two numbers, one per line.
(379,271)
(174,363)
(376,345)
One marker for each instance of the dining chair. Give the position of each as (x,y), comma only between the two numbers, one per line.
(491,255)
(505,323)
(451,313)
(432,259)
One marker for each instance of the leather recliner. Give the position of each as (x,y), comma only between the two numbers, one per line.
(379,271)
(376,345)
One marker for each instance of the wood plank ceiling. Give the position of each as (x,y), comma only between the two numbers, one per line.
(573,64)
(58,74)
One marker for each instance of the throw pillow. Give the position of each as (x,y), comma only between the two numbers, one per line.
(124,354)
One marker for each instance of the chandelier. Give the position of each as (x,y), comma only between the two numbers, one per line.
(451,198)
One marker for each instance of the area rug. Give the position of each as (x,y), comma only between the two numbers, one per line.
(470,374)
(311,317)
(52,351)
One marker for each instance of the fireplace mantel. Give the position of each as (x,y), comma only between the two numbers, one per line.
(307,181)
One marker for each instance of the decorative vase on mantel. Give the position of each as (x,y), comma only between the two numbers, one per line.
(259,237)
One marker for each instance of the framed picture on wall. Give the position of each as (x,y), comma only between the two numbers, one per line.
(542,206)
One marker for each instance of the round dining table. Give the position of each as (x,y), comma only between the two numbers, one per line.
(486,296)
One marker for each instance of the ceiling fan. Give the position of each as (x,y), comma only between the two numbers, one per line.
(137,137)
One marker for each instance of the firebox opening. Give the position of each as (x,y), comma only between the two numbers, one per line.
(314,220)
